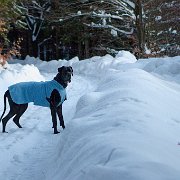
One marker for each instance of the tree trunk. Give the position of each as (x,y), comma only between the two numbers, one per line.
(86,49)
(34,48)
(140,25)
(79,48)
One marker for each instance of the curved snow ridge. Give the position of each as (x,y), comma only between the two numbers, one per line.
(98,66)
(15,73)
(134,84)
(118,131)
(164,65)
(86,67)
(169,68)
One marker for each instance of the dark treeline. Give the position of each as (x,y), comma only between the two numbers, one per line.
(62,29)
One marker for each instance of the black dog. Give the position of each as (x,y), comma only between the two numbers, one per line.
(49,94)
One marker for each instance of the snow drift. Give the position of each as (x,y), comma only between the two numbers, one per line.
(122,122)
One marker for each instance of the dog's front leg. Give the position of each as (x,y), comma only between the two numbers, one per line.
(60,115)
(54,119)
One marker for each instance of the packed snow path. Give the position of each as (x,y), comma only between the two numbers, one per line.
(27,153)
(122,122)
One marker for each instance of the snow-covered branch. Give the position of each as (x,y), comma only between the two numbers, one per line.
(93,25)
(34,15)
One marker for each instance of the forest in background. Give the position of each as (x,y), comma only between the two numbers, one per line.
(62,29)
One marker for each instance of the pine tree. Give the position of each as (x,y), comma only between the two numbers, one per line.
(101,26)
(6,17)
(162,26)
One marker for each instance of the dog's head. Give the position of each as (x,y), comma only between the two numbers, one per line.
(64,75)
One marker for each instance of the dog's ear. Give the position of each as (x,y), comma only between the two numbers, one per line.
(71,69)
(61,69)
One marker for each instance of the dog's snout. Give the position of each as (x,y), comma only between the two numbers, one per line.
(68,76)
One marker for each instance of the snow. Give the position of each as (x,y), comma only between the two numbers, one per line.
(79,13)
(114,33)
(122,121)
(157,18)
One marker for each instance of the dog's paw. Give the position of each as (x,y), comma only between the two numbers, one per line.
(56,132)
(62,125)
(4,132)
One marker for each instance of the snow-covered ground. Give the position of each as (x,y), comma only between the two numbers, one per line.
(122,122)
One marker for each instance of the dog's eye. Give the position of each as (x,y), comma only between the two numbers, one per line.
(69,72)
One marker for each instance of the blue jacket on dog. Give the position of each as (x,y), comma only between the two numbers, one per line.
(36,92)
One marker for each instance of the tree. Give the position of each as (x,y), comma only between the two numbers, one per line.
(67,28)
(33,13)
(102,26)
(140,25)
(6,17)
(33,16)
(162,26)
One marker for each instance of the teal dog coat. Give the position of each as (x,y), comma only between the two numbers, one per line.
(36,92)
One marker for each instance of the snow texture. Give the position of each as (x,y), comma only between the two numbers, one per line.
(122,122)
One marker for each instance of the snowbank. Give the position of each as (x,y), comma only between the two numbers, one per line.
(127,128)
(122,122)
(15,73)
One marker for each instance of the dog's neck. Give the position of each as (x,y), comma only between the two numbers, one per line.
(60,81)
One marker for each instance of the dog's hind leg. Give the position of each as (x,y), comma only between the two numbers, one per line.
(6,119)
(54,120)
(22,109)
(5,95)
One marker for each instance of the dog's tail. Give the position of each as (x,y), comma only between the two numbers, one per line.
(5,95)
